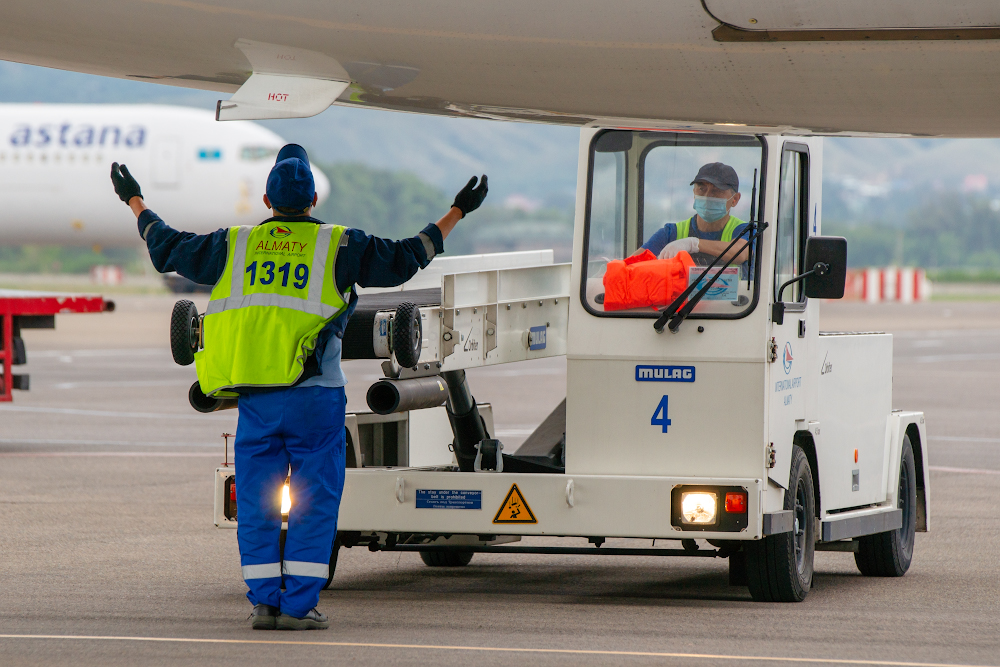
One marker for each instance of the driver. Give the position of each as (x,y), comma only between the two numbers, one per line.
(711,229)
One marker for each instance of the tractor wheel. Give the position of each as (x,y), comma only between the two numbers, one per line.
(889,554)
(446,558)
(780,567)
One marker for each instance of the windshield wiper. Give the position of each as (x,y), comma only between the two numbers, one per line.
(671,313)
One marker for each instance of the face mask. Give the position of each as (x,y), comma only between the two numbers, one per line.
(710,208)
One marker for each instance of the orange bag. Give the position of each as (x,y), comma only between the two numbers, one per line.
(643,280)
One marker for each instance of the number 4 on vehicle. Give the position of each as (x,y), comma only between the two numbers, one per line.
(660,417)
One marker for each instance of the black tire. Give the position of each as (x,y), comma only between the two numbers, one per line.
(889,554)
(780,567)
(738,569)
(407,335)
(333,561)
(183,328)
(446,558)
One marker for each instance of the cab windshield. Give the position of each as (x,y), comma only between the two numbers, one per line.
(662,207)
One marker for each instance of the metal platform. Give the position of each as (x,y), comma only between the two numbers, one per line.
(23,309)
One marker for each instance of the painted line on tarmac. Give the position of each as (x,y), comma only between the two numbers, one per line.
(111,384)
(962,438)
(108,352)
(110,413)
(966,471)
(29,455)
(102,443)
(938,358)
(501,649)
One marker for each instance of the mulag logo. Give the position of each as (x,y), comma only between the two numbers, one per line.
(280,232)
(664,373)
(787,358)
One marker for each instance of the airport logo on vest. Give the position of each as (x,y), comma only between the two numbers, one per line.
(787,358)
(664,373)
(280,232)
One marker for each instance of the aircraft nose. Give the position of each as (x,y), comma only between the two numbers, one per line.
(322,185)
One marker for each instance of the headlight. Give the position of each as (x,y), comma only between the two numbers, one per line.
(698,507)
(286,500)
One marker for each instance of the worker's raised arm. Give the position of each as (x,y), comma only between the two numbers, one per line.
(198,257)
(370,261)
(466,201)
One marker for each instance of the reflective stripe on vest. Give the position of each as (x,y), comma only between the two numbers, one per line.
(684,228)
(276,294)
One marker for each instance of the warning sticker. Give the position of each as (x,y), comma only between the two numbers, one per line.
(439,499)
(514,509)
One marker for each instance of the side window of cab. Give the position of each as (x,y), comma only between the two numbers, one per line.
(793,207)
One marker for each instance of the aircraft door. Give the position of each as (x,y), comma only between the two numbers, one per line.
(786,388)
(166,168)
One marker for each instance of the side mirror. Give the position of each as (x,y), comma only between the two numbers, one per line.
(831,251)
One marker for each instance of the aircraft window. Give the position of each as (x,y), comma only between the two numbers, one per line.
(644,214)
(253,153)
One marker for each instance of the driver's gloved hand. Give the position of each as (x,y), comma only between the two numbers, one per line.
(688,245)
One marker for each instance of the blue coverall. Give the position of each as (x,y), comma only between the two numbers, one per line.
(302,426)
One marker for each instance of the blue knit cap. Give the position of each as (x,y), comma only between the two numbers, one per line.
(290,183)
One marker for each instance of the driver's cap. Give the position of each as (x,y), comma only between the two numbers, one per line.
(720,175)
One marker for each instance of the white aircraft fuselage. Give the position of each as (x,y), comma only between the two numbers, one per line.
(197,174)
(803,66)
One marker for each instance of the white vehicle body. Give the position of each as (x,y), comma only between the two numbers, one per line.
(55,160)
(718,406)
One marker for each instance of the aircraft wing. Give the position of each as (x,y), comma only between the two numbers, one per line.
(852,66)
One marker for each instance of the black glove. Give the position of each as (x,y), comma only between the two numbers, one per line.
(126,187)
(471,197)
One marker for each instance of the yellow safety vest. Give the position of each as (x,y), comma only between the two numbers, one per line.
(684,228)
(277,292)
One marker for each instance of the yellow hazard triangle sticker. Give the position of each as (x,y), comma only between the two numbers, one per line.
(514,509)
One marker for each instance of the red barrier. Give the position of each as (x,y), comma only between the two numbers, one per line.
(903,285)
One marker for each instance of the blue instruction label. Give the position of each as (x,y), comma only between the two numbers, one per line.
(439,499)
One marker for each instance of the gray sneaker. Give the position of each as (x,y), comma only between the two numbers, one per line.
(263,617)
(314,620)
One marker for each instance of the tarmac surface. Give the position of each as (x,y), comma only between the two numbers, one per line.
(108,554)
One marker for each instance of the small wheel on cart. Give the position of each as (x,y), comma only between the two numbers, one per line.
(184,324)
(333,561)
(889,554)
(779,568)
(446,558)
(407,334)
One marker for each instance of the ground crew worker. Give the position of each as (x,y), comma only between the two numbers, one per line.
(284,290)
(712,228)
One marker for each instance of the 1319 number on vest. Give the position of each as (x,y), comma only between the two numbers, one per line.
(268,273)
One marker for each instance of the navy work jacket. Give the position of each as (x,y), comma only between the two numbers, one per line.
(366,261)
